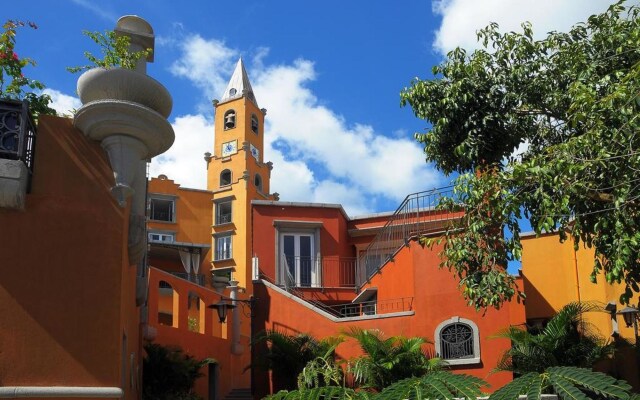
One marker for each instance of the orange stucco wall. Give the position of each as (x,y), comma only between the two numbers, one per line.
(411,282)
(67,293)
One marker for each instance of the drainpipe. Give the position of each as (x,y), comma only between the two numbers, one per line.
(236,347)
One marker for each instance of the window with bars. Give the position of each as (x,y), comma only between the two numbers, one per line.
(457,341)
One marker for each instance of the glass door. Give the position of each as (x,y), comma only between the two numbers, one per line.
(297,252)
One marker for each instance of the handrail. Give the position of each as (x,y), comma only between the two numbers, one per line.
(416,215)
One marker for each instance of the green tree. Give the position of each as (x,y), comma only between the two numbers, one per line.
(169,374)
(388,360)
(566,340)
(571,100)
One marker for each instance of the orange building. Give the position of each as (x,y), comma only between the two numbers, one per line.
(321,272)
(310,267)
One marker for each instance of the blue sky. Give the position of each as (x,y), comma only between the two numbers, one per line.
(329,74)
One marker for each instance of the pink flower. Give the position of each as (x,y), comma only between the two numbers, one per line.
(15,56)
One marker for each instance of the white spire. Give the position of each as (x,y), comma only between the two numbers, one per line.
(239,85)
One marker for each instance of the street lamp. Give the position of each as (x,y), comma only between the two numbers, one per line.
(223,306)
(631,316)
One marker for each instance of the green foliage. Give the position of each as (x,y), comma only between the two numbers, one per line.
(566,341)
(435,385)
(567,383)
(288,355)
(13,83)
(571,100)
(169,374)
(388,360)
(323,370)
(115,52)
(321,393)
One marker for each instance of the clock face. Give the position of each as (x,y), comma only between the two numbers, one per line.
(229,148)
(255,152)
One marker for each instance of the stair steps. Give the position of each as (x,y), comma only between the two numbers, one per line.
(239,394)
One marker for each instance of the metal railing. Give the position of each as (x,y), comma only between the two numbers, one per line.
(373,307)
(17,133)
(417,215)
(316,272)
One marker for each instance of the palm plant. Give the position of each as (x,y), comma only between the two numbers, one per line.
(566,341)
(287,355)
(389,360)
(558,360)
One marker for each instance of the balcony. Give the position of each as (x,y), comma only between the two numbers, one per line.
(372,307)
(316,272)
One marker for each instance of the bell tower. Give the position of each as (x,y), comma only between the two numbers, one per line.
(236,174)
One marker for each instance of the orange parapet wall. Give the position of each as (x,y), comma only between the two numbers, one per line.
(67,293)
(179,315)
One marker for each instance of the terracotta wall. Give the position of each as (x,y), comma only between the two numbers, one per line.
(435,298)
(67,293)
(212,340)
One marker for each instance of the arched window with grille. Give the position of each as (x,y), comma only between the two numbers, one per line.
(457,341)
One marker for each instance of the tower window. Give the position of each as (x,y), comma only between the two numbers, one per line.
(254,123)
(257,180)
(223,213)
(232,92)
(225,177)
(230,119)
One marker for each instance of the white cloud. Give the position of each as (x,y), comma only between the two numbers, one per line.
(99,11)
(462,18)
(62,103)
(318,156)
(184,161)
(206,63)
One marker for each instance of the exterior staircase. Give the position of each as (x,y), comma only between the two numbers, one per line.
(415,217)
(239,394)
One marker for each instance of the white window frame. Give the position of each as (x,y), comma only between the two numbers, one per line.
(163,237)
(228,249)
(475,359)
(297,229)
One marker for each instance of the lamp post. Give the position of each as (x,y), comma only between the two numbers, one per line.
(631,315)
(223,306)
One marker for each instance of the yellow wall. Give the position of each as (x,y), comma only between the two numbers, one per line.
(554,275)
(192,215)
